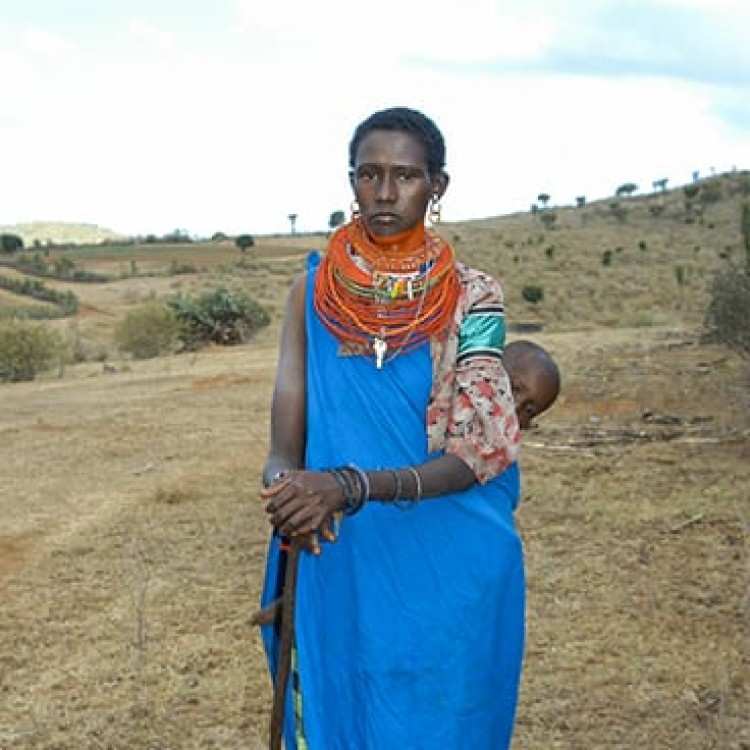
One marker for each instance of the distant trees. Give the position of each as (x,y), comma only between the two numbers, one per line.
(660,184)
(627,188)
(543,198)
(10,243)
(581,201)
(336,219)
(293,222)
(244,241)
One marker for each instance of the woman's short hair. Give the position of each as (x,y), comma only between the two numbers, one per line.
(409,121)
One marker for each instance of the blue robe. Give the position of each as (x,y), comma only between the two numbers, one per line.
(409,629)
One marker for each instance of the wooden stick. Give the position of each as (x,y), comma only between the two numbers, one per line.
(286,642)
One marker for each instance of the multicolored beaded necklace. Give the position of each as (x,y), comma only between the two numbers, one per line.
(386,294)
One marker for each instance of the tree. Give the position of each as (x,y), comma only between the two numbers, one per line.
(337,219)
(244,241)
(543,198)
(660,184)
(627,189)
(293,222)
(10,243)
(581,201)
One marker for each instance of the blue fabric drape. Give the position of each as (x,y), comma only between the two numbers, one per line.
(409,628)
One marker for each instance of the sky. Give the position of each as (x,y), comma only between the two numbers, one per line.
(146,116)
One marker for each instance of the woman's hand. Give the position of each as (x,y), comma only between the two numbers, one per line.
(303,503)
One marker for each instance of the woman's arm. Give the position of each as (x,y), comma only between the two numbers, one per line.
(288,433)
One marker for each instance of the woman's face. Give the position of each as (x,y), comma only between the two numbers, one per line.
(391,182)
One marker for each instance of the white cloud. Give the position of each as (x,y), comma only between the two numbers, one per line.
(155,39)
(239,133)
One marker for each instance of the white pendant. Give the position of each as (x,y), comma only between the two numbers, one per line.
(380,347)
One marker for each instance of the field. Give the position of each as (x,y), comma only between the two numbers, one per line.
(132,537)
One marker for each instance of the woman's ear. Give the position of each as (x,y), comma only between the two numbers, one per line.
(439,184)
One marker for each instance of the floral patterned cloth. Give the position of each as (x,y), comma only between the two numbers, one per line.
(471,413)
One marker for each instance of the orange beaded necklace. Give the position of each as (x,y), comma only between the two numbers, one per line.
(386,294)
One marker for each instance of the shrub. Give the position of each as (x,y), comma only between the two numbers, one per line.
(244,241)
(10,243)
(27,349)
(607,257)
(532,293)
(220,316)
(548,218)
(728,317)
(148,331)
(618,211)
(66,302)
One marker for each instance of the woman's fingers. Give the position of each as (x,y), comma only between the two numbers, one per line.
(294,519)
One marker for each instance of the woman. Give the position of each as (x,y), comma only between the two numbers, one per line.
(393,432)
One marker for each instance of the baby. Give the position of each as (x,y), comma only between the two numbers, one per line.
(534,378)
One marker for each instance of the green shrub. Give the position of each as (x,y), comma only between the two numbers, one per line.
(607,257)
(548,218)
(148,331)
(27,349)
(66,302)
(728,317)
(244,241)
(532,293)
(220,316)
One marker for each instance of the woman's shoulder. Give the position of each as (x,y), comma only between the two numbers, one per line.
(477,285)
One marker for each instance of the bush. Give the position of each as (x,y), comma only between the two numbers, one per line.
(10,243)
(148,331)
(27,349)
(66,302)
(244,241)
(219,316)
(532,294)
(548,218)
(728,316)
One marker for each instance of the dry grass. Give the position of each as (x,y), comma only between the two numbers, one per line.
(132,543)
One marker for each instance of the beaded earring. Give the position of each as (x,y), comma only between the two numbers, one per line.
(354,209)
(435,208)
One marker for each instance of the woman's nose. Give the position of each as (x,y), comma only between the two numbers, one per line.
(386,189)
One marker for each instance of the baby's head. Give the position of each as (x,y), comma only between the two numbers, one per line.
(534,378)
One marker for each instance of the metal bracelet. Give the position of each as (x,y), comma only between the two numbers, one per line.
(417,482)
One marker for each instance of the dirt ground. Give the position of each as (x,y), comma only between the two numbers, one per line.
(132,548)
(132,545)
